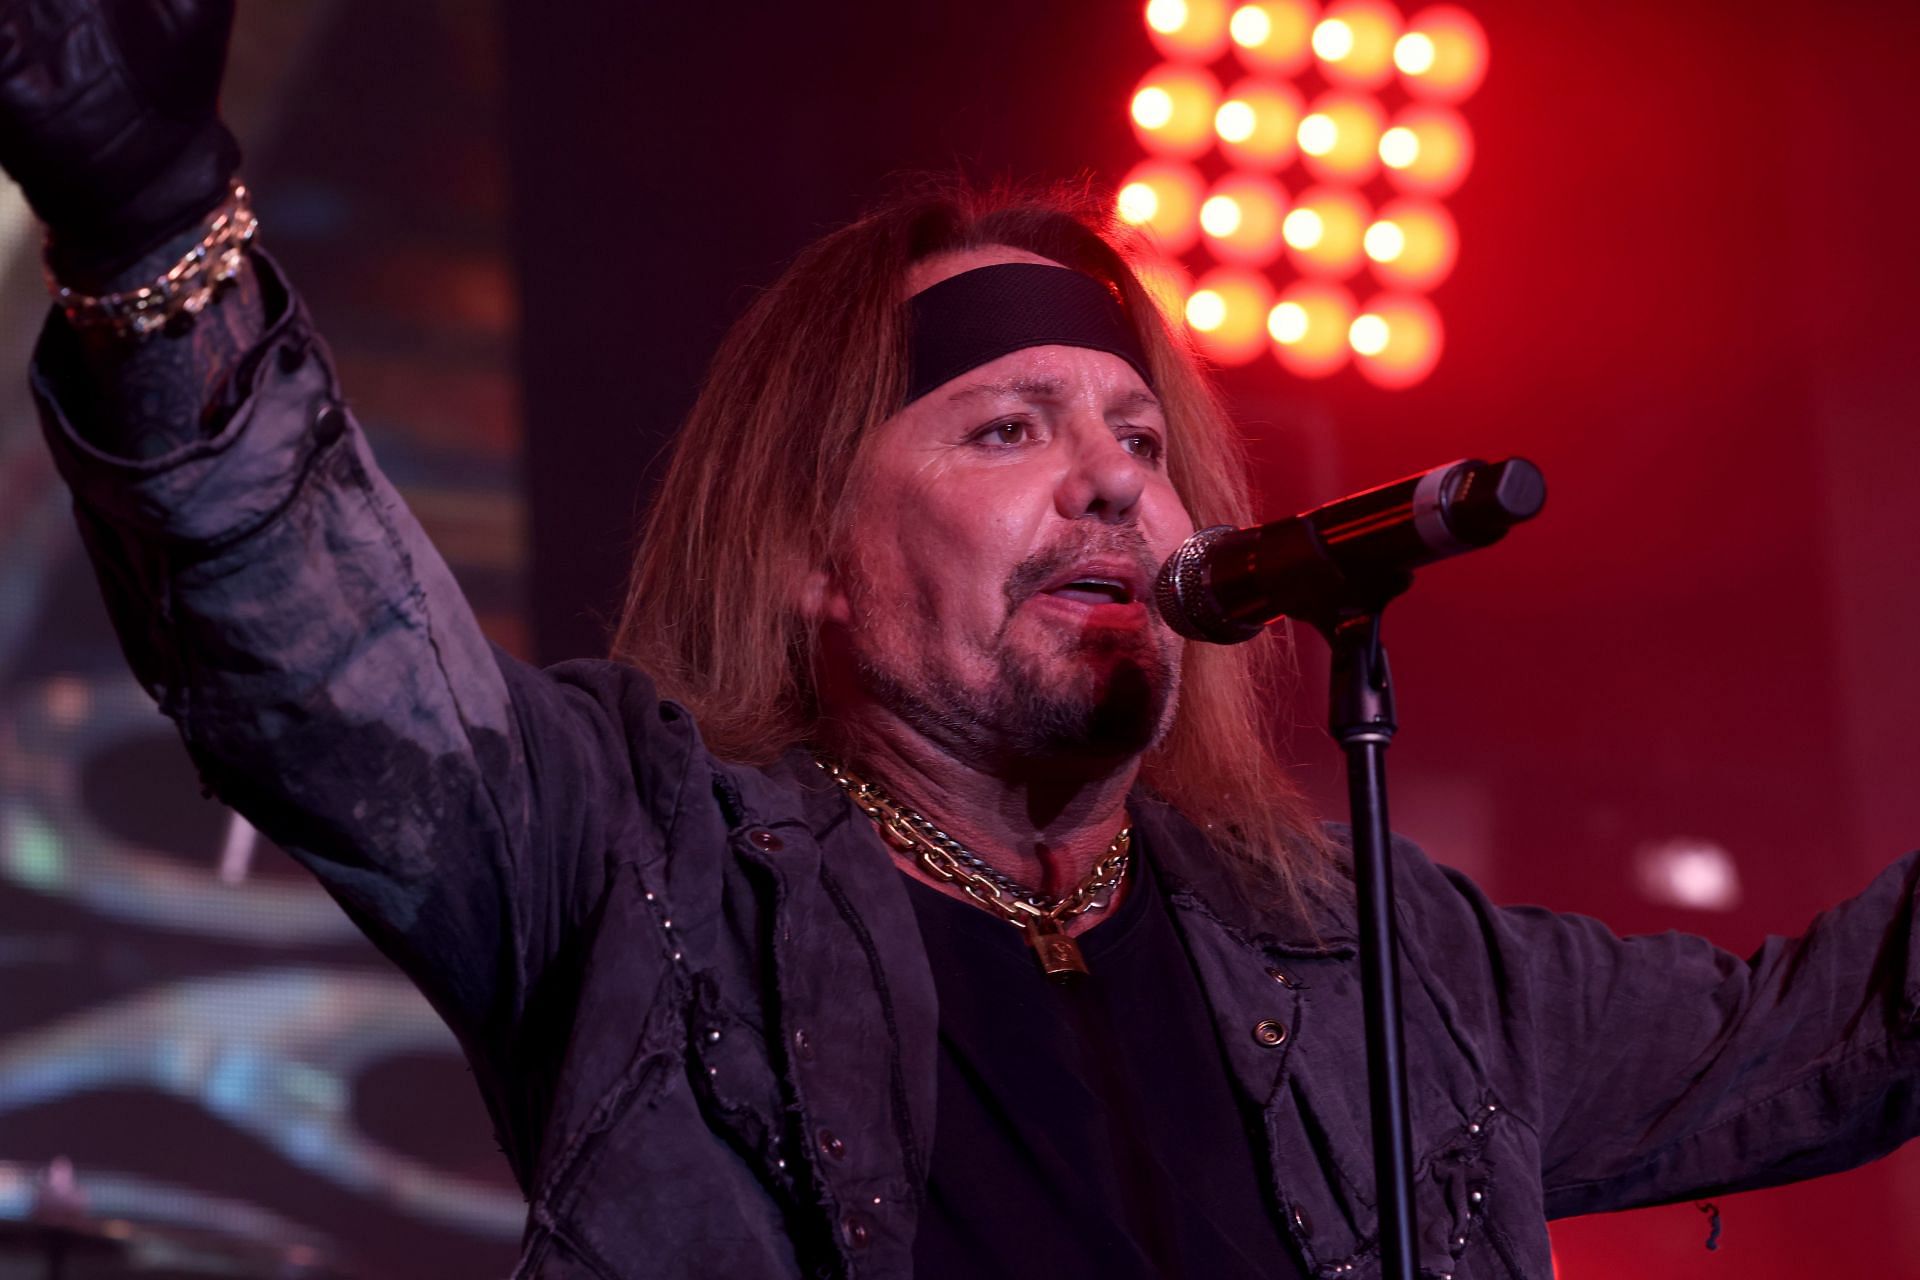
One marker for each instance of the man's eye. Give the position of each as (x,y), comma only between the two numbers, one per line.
(1013,432)
(1143,444)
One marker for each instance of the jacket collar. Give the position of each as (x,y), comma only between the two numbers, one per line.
(1199,879)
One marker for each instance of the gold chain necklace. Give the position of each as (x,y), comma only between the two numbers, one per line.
(910,834)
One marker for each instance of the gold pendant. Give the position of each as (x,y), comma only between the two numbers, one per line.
(1059,955)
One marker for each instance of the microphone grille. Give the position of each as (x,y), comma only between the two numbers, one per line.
(1180,592)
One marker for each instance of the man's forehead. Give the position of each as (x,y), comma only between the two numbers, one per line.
(1050,385)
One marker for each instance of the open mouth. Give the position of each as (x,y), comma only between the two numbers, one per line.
(1094,591)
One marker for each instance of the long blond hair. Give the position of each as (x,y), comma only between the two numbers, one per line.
(752,498)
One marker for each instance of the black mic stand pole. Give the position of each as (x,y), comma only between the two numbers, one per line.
(1362,722)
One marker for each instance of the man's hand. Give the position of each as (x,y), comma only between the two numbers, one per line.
(109,121)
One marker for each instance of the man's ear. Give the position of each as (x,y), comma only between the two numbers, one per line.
(822,598)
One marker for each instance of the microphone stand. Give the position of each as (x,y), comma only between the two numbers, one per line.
(1362,721)
(1337,567)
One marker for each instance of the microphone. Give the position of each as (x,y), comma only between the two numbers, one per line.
(1224,584)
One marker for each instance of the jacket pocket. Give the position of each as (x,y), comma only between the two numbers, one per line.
(1322,1144)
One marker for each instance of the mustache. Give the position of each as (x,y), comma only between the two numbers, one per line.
(1043,566)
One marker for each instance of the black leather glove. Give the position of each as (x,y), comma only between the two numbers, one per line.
(110,123)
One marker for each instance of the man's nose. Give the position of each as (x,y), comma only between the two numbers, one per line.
(1104,479)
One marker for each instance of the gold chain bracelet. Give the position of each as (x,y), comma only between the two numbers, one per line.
(186,288)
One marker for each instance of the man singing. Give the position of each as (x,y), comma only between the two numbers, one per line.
(903,898)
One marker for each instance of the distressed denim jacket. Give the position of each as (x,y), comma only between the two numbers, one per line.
(694,993)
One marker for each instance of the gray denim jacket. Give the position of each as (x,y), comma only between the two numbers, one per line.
(694,994)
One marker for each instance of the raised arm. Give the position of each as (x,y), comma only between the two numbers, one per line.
(270,588)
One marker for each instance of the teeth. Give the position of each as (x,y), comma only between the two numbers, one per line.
(1101,589)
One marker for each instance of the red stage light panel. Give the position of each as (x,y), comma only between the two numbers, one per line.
(1189,30)
(1258,123)
(1443,55)
(1162,198)
(1227,312)
(1172,110)
(1427,150)
(1324,232)
(1308,327)
(1241,219)
(1339,137)
(1396,340)
(1354,42)
(1274,37)
(1343,140)
(1413,244)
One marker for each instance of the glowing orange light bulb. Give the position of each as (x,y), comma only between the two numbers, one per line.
(1287,322)
(1413,244)
(1173,108)
(1206,310)
(1274,37)
(1308,326)
(1340,137)
(1235,120)
(1137,203)
(1443,55)
(1190,30)
(1324,233)
(1162,198)
(1396,340)
(1227,313)
(1427,151)
(1413,53)
(1354,42)
(1152,107)
(1250,27)
(1220,216)
(1399,147)
(1242,218)
(1318,134)
(1166,15)
(1332,40)
(1368,334)
(1258,123)
(1384,241)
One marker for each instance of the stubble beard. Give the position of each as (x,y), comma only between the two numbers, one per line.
(1093,696)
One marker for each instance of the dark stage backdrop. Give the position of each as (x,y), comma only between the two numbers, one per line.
(1687,288)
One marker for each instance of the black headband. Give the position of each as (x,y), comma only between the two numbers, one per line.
(980,315)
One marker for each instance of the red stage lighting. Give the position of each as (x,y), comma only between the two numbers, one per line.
(1258,122)
(1428,150)
(1173,110)
(1324,232)
(1274,37)
(1347,52)
(1308,326)
(1227,312)
(1190,30)
(1241,218)
(1413,244)
(1162,198)
(1396,340)
(1354,42)
(1443,55)
(1340,137)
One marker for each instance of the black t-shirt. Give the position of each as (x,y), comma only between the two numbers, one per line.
(1087,1130)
